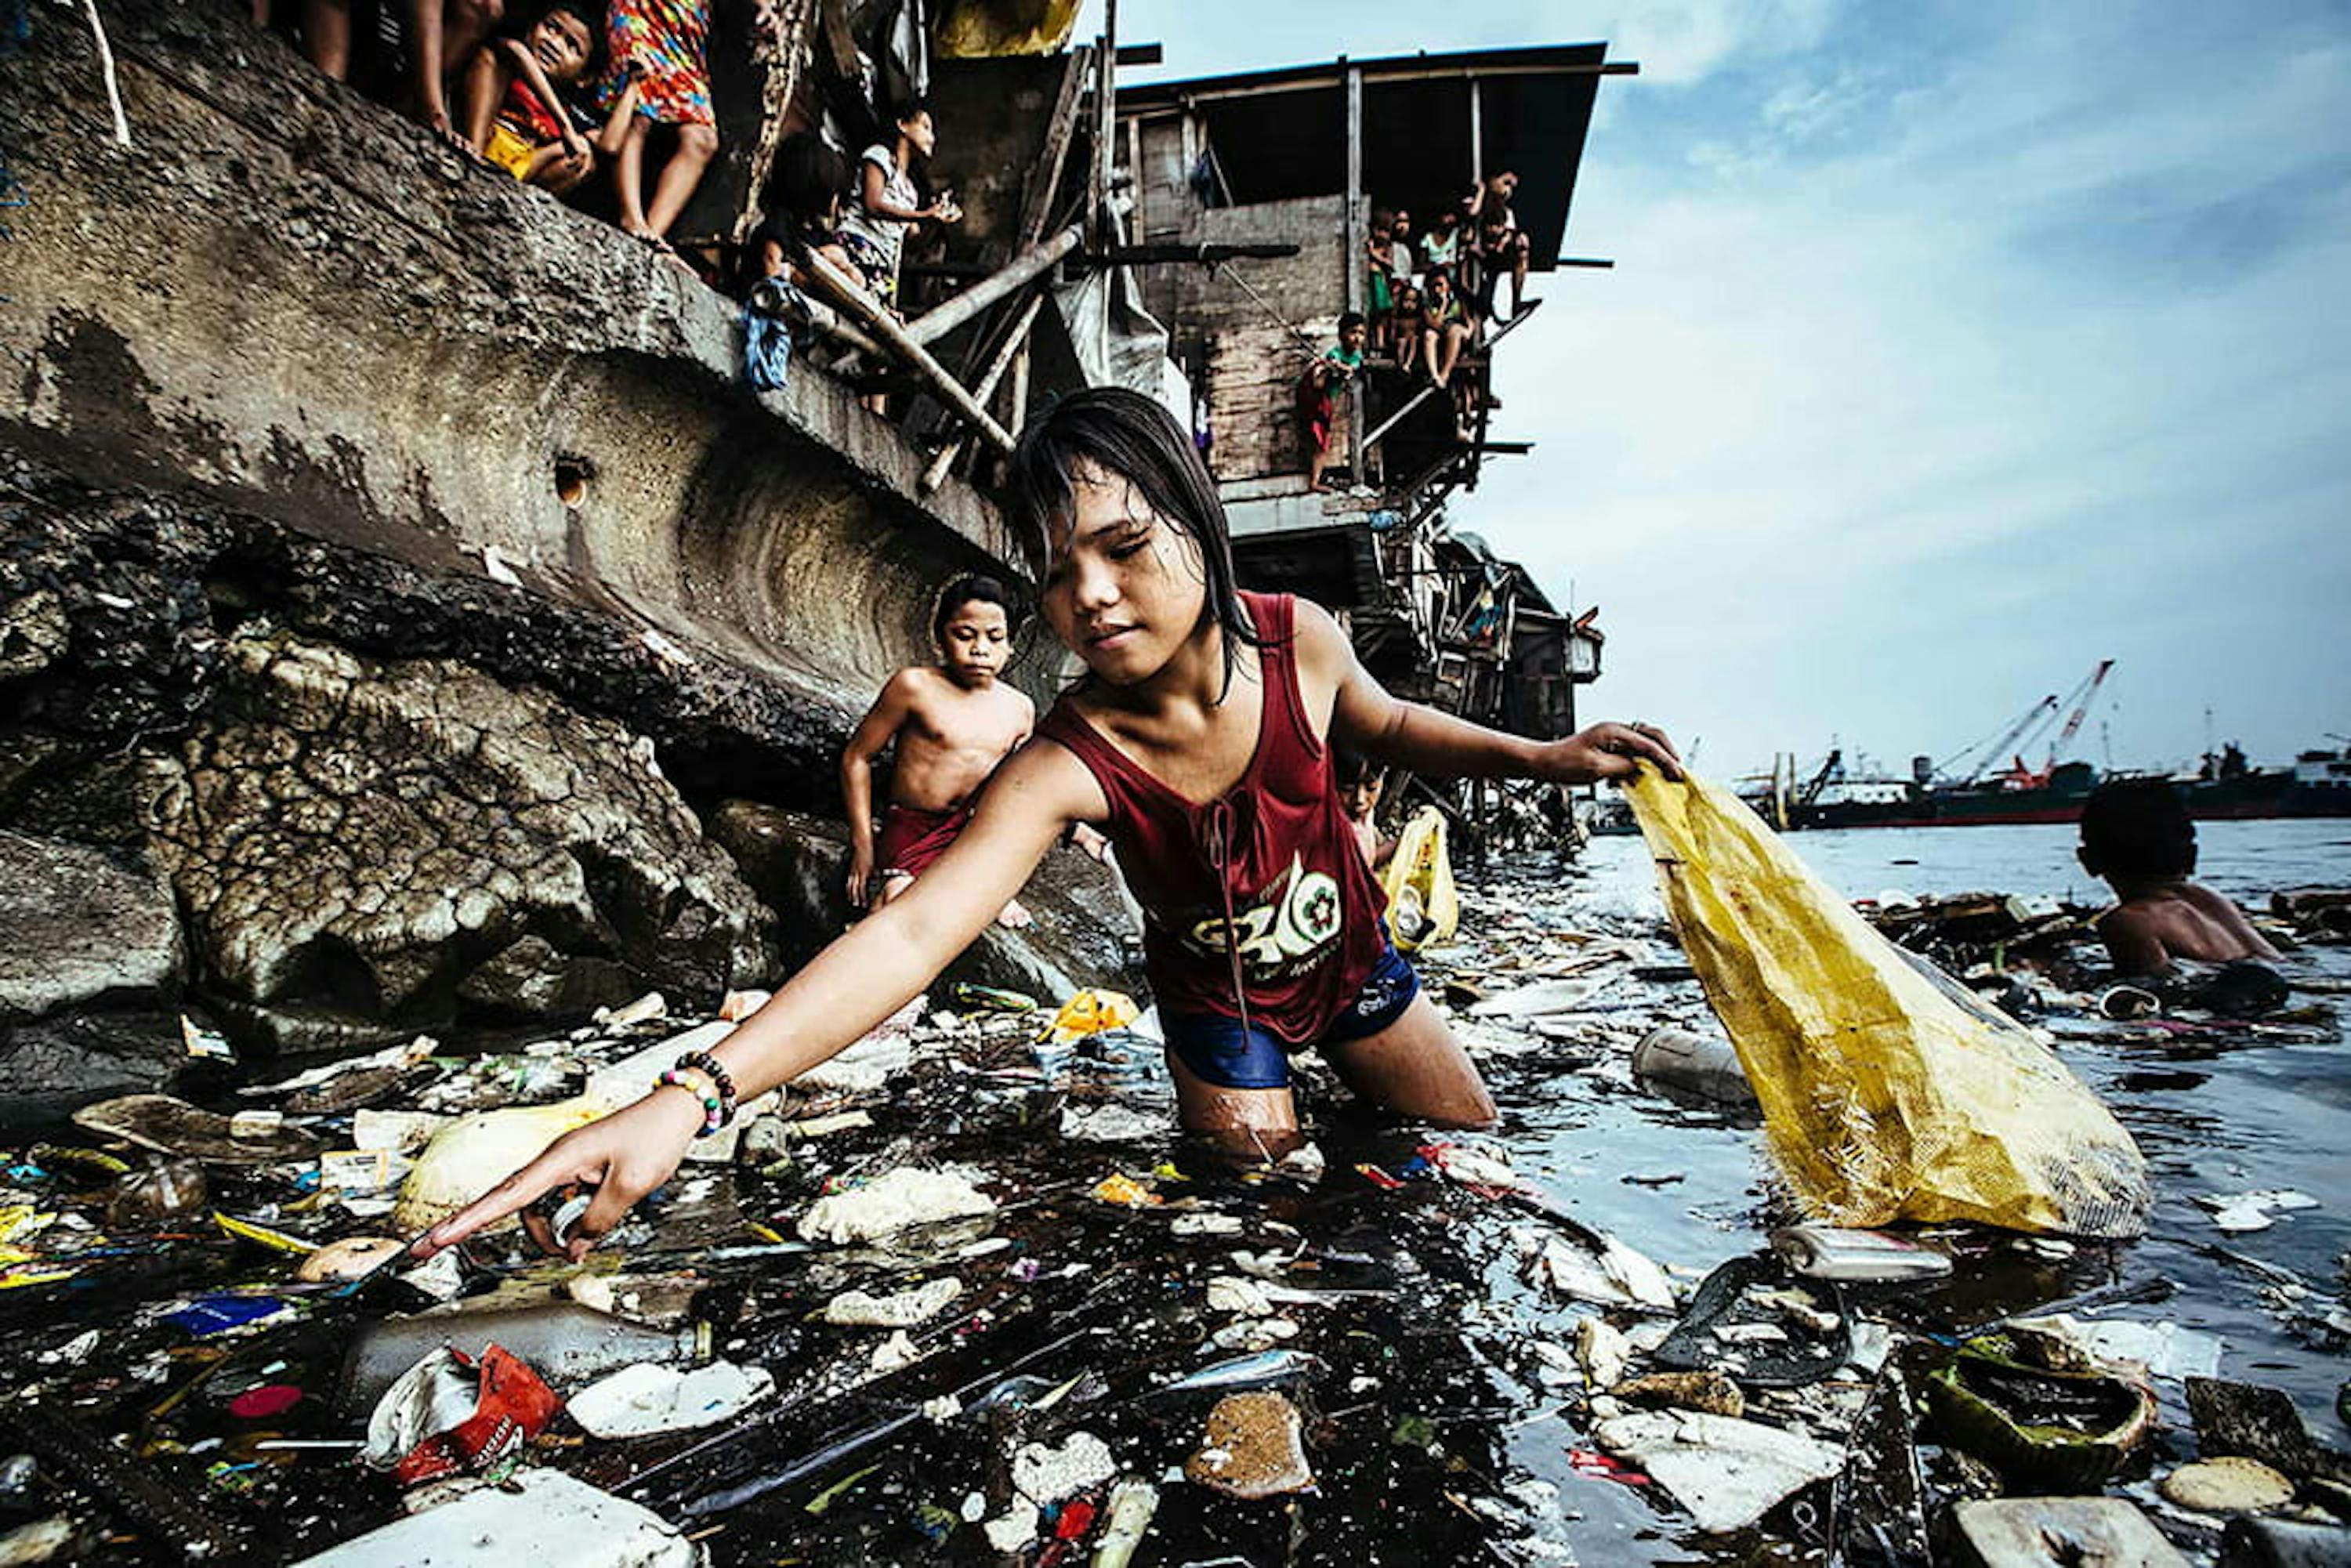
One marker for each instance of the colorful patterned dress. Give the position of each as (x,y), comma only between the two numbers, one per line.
(668,40)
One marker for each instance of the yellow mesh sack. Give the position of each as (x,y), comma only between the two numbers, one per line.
(1888,1091)
(1423,908)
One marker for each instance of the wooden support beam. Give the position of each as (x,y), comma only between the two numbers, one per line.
(1014,346)
(1206,255)
(1355,264)
(1044,180)
(1380,77)
(870,314)
(1002,284)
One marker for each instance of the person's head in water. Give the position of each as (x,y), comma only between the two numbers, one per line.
(2137,831)
(973,629)
(1359,783)
(1137,559)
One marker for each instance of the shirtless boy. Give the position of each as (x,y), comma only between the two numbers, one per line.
(2138,835)
(953,722)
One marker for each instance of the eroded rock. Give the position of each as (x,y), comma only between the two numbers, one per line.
(361,841)
(81,928)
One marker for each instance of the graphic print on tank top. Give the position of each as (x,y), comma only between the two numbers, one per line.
(1281,933)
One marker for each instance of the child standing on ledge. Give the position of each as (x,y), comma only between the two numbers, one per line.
(1200,740)
(953,722)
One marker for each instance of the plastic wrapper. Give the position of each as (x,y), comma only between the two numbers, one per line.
(1423,908)
(1888,1092)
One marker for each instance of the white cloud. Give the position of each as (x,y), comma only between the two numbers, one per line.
(1924,382)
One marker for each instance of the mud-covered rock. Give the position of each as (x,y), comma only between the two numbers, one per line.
(359,841)
(51,1066)
(76,927)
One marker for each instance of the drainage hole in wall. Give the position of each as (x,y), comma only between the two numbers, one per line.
(573,475)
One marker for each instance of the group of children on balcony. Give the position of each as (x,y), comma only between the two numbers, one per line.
(553,95)
(1431,301)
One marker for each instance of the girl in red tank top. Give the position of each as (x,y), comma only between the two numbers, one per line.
(1199,738)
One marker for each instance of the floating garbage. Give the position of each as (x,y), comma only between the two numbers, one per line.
(1830,1253)
(1701,1066)
(1728,1473)
(1091,1012)
(641,1400)
(2230,1484)
(568,1343)
(1888,1093)
(2246,1211)
(855,1308)
(353,1258)
(2037,1410)
(2056,1532)
(451,1414)
(170,1126)
(1610,1274)
(1253,1447)
(475,1153)
(536,1516)
(1125,1518)
(1542,997)
(1751,1319)
(1245,1371)
(892,1202)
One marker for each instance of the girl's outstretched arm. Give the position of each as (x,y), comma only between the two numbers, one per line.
(1364,717)
(861,979)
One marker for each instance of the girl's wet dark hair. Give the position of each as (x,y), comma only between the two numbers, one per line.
(973,589)
(1128,434)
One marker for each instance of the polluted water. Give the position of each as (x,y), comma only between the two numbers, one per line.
(942,1305)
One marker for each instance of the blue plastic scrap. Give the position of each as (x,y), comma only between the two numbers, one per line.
(209,1315)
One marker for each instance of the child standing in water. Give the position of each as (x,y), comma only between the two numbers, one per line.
(1200,740)
(2136,834)
(953,722)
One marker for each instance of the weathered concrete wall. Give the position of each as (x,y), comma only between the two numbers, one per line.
(298,302)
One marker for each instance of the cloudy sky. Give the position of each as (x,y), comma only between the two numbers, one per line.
(1949,349)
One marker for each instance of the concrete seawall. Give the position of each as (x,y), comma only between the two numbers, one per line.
(299,304)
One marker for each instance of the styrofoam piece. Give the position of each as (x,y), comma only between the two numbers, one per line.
(541,1516)
(638,1401)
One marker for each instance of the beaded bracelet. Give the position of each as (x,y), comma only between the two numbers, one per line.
(714,1110)
(701,1062)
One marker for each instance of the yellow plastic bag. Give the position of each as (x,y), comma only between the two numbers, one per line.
(1423,908)
(1092,1012)
(1888,1092)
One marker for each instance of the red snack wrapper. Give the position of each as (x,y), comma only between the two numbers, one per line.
(514,1406)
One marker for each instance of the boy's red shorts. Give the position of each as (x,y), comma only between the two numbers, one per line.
(912,837)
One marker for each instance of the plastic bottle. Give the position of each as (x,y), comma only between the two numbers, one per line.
(1696,1064)
(1827,1252)
(566,1343)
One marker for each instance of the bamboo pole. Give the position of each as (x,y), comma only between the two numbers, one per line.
(871,315)
(1001,284)
(1013,346)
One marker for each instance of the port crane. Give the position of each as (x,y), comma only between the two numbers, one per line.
(2018,736)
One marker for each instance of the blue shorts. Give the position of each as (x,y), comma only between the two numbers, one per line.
(1216,1050)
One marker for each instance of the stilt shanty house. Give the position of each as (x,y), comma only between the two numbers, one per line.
(1276,174)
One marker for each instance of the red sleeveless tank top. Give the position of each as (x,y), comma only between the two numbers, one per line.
(1258,904)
